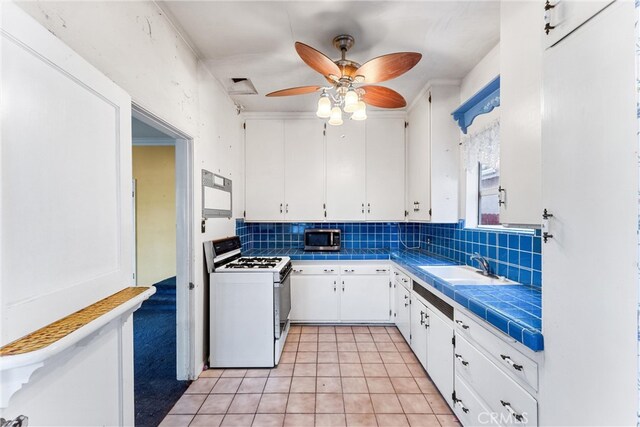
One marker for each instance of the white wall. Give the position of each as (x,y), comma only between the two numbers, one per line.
(486,70)
(135,45)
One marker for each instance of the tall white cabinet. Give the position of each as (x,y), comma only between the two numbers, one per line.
(346,179)
(264,165)
(520,112)
(590,186)
(432,156)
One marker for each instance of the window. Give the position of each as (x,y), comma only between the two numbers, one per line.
(488,206)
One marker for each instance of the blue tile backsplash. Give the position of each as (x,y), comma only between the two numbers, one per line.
(516,255)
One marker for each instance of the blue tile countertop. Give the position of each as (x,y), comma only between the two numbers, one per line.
(514,309)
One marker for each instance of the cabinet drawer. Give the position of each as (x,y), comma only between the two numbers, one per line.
(514,362)
(365,269)
(469,408)
(402,279)
(503,395)
(315,269)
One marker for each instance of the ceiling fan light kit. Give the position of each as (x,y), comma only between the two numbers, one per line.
(344,74)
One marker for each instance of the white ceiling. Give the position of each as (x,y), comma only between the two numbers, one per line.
(256,40)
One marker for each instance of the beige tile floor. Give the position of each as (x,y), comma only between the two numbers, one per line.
(327,376)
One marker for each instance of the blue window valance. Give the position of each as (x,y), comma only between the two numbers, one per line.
(483,102)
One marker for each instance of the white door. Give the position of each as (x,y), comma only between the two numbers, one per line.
(385,169)
(590,186)
(264,170)
(419,160)
(304,170)
(66,217)
(419,330)
(365,298)
(346,171)
(440,353)
(521,112)
(566,16)
(314,298)
(402,301)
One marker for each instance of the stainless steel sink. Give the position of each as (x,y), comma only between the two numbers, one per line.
(463,275)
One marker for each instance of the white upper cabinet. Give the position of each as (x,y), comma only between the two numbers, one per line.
(304,170)
(563,16)
(432,156)
(521,112)
(346,171)
(385,169)
(264,165)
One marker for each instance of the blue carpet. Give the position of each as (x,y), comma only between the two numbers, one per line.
(154,339)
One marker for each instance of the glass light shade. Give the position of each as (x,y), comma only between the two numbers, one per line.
(324,107)
(361,112)
(336,116)
(350,101)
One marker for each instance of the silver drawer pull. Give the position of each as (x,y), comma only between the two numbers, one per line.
(349,271)
(458,402)
(464,362)
(406,297)
(512,412)
(326,270)
(421,317)
(462,325)
(405,280)
(298,271)
(511,362)
(396,273)
(381,270)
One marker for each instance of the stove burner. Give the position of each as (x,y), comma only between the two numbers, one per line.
(259,260)
(247,264)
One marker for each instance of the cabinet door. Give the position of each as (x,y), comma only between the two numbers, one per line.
(402,301)
(440,353)
(264,170)
(385,169)
(346,171)
(365,298)
(521,111)
(444,154)
(566,16)
(419,330)
(314,298)
(590,182)
(418,160)
(304,170)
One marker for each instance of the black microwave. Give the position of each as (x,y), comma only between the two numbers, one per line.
(321,240)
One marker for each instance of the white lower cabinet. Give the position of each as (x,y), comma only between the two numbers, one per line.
(440,352)
(469,408)
(314,294)
(511,403)
(402,312)
(419,330)
(333,293)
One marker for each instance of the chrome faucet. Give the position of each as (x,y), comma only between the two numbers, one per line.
(484,265)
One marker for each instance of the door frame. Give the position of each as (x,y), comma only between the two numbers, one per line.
(185,305)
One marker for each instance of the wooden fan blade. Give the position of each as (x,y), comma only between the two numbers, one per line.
(382,97)
(387,67)
(301,90)
(317,60)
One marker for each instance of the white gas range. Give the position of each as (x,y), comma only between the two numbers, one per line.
(250,302)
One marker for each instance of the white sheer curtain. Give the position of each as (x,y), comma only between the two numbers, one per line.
(482,146)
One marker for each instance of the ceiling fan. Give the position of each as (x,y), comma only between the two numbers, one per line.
(351,86)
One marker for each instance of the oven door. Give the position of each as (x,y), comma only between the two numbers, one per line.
(282,303)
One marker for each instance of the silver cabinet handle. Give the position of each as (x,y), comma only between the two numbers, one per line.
(396,273)
(421,317)
(349,270)
(368,207)
(406,297)
(461,360)
(381,270)
(513,364)
(512,412)
(326,270)
(297,271)
(286,208)
(363,208)
(502,196)
(280,207)
(458,402)
(405,280)
(406,304)
(335,287)
(462,325)
(343,286)
(547,17)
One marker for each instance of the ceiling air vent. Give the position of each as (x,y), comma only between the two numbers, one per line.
(241,86)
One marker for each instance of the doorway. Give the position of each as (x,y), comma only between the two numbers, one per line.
(163,326)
